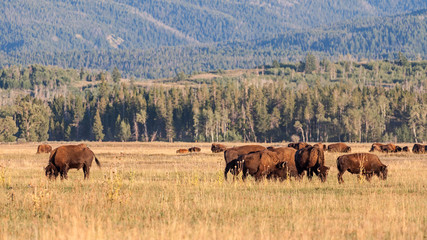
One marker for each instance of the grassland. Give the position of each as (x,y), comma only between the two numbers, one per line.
(147,191)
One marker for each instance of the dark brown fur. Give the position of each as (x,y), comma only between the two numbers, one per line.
(194,149)
(287,155)
(70,156)
(299,145)
(405,149)
(339,147)
(44,148)
(312,160)
(368,163)
(216,148)
(257,164)
(419,148)
(232,154)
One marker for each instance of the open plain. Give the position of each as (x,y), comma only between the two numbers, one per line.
(148,191)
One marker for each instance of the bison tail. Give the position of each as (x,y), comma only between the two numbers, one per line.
(97,162)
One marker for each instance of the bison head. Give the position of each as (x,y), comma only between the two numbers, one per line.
(323,170)
(347,149)
(51,171)
(384,172)
(398,149)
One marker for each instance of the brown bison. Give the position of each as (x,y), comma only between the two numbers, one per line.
(299,145)
(44,148)
(419,148)
(365,163)
(339,147)
(194,149)
(312,160)
(257,164)
(320,145)
(287,155)
(70,156)
(405,149)
(216,148)
(182,150)
(232,154)
(376,147)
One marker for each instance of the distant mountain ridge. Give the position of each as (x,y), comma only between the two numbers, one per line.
(159,38)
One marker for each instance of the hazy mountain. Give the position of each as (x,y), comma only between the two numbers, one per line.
(140,36)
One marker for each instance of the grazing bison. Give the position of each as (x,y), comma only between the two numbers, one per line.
(216,148)
(299,145)
(258,164)
(405,149)
(70,156)
(233,154)
(44,148)
(419,148)
(339,147)
(287,155)
(182,150)
(194,149)
(312,160)
(366,163)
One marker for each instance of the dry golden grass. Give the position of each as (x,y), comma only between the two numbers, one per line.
(147,191)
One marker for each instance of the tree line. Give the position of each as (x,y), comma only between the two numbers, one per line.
(307,101)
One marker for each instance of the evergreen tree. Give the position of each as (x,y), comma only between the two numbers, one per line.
(97,127)
(116,75)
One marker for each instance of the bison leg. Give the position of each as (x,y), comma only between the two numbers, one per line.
(340,180)
(310,173)
(86,171)
(244,173)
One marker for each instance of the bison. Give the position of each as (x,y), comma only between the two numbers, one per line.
(287,155)
(385,148)
(70,156)
(376,147)
(257,164)
(216,148)
(418,148)
(299,145)
(320,145)
(312,160)
(339,147)
(405,149)
(182,150)
(365,163)
(44,148)
(232,154)
(194,149)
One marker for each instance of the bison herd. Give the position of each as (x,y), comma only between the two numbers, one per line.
(298,158)
(272,163)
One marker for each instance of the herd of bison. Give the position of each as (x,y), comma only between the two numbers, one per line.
(271,162)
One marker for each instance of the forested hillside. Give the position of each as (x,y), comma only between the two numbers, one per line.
(152,39)
(310,100)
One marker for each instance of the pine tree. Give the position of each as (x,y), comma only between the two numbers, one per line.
(97,127)
(116,75)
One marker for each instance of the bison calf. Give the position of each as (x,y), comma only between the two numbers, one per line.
(365,163)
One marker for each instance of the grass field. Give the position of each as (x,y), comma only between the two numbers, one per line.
(147,191)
